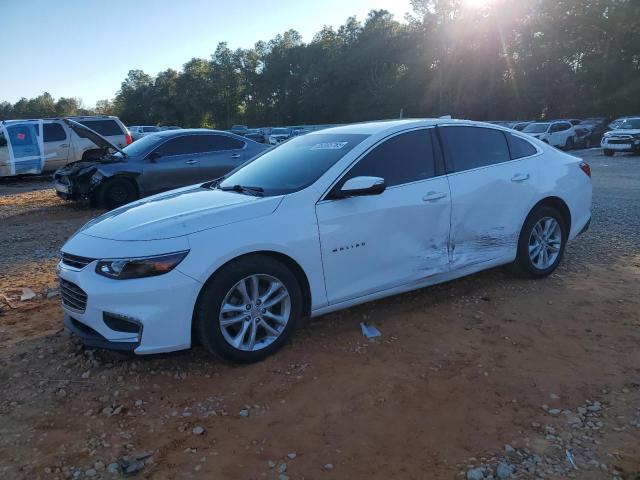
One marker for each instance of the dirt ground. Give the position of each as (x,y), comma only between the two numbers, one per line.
(485,373)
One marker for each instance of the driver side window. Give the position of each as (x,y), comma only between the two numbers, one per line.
(182,145)
(404,158)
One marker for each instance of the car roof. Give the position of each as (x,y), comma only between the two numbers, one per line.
(187,131)
(381,126)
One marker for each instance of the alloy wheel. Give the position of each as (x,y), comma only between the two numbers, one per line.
(255,312)
(545,242)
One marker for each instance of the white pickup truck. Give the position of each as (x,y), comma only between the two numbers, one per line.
(22,151)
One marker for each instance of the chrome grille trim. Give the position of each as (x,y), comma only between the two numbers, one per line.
(75,261)
(73,296)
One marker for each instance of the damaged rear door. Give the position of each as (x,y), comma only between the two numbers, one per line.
(491,194)
(399,237)
(24,148)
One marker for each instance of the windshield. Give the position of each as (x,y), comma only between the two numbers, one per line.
(141,147)
(150,129)
(630,124)
(280,131)
(293,165)
(536,128)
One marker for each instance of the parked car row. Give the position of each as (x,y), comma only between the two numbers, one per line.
(159,161)
(568,133)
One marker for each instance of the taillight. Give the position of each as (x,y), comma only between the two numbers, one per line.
(584,166)
(127,138)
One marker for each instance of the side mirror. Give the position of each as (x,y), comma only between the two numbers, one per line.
(153,156)
(361,186)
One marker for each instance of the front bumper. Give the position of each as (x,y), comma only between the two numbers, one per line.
(161,306)
(620,145)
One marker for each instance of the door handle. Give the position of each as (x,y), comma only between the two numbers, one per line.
(433,196)
(235,155)
(191,162)
(64,145)
(520,177)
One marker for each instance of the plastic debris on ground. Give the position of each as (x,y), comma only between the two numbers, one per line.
(570,459)
(27,294)
(369,331)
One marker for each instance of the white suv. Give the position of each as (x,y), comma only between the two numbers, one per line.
(559,134)
(60,144)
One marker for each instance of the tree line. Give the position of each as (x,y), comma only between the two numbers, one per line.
(503,59)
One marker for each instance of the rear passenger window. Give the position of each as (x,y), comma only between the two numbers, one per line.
(53,132)
(405,158)
(106,128)
(474,147)
(182,145)
(520,147)
(214,143)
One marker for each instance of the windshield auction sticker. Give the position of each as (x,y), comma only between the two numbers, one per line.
(329,146)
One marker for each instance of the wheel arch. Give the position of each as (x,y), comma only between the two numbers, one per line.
(289,262)
(557,203)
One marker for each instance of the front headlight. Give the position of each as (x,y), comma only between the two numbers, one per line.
(607,134)
(127,268)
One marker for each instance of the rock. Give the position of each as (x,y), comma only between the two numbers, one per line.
(244,412)
(91,472)
(291,455)
(198,430)
(132,464)
(271,463)
(475,474)
(27,294)
(504,470)
(594,408)
(283,477)
(554,411)
(113,468)
(282,468)
(328,466)
(138,403)
(509,449)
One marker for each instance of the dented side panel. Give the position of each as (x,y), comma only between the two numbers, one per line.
(377,242)
(489,207)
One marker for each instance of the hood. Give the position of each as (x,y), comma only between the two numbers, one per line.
(626,131)
(95,137)
(177,213)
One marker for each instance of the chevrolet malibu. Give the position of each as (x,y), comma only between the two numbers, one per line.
(325,221)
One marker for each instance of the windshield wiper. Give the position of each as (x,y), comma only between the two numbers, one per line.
(257,191)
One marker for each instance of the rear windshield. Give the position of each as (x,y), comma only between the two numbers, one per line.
(536,128)
(106,128)
(294,165)
(150,129)
(142,146)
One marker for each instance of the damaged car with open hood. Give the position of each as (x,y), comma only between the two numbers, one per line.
(158,162)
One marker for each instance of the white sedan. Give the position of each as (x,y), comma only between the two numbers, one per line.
(325,221)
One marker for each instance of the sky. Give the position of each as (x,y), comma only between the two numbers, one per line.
(84,48)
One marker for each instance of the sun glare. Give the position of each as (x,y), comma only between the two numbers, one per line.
(476,3)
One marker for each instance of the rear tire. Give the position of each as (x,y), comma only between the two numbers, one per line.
(540,252)
(569,144)
(116,192)
(222,289)
(608,153)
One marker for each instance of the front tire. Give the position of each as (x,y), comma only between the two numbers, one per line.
(116,192)
(608,153)
(541,244)
(248,309)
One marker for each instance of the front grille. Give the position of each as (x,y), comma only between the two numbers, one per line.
(73,296)
(620,142)
(74,261)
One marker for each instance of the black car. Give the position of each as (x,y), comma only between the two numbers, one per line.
(596,126)
(157,162)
